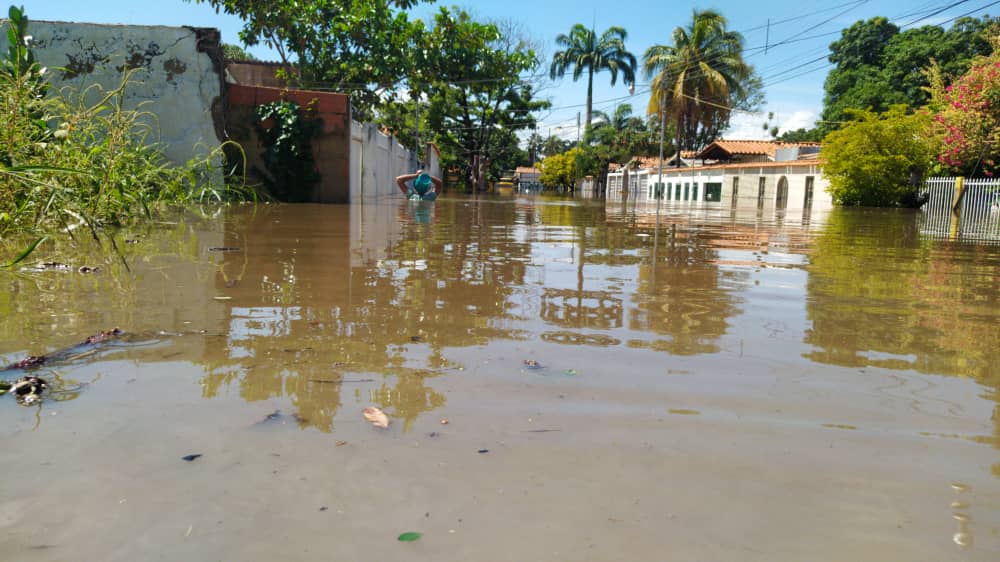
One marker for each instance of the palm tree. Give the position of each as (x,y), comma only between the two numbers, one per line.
(584,50)
(698,77)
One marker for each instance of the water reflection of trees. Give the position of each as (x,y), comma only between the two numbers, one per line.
(308,321)
(880,296)
(681,296)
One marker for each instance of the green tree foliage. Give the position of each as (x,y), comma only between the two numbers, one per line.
(559,171)
(877,65)
(802,135)
(360,46)
(584,51)
(617,138)
(968,117)
(469,74)
(534,145)
(237,53)
(879,160)
(700,78)
(554,145)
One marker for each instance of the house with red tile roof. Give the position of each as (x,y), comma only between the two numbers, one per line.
(732,174)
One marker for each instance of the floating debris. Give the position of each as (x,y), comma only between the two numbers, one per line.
(191,458)
(532,364)
(409,537)
(278,418)
(87,269)
(103,336)
(29,362)
(224,249)
(26,390)
(376,416)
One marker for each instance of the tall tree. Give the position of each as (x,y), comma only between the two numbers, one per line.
(878,66)
(470,73)
(358,46)
(583,50)
(699,78)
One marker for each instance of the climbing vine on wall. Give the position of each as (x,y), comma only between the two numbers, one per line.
(286,131)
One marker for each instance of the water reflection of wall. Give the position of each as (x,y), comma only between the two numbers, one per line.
(320,295)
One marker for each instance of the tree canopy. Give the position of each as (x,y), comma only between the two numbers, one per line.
(584,50)
(878,65)
(356,46)
(470,74)
(700,78)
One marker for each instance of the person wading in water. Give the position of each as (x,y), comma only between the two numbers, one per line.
(421,189)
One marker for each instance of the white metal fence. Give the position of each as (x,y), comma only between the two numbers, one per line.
(978,215)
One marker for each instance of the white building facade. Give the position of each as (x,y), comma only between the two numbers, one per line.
(788,184)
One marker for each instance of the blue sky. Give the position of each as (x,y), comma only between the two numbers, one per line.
(799,31)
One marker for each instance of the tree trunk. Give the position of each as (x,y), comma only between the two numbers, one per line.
(678,143)
(590,96)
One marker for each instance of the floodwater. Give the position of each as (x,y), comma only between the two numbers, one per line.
(728,387)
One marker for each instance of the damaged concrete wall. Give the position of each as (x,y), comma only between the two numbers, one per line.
(178,75)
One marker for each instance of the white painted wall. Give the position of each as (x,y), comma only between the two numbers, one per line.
(174,82)
(642,181)
(376,161)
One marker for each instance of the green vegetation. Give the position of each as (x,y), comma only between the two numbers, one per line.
(357,46)
(583,50)
(469,74)
(560,171)
(968,116)
(700,79)
(66,163)
(878,66)
(286,132)
(879,160)
(236,53)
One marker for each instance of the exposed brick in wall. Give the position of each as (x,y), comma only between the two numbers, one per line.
(331,150)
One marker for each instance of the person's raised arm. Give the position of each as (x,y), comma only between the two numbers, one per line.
(401,181)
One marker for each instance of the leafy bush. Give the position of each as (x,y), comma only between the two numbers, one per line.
(286,131)
(879,160)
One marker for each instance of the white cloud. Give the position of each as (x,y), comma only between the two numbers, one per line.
(750,126)
(798,120)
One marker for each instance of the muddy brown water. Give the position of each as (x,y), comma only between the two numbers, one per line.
(754,387)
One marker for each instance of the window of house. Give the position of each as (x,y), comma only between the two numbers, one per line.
(687,190)
(694,192)
(736,190)
(807,203)
(761,188)
(713,192)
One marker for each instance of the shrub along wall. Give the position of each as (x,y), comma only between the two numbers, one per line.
(330,148)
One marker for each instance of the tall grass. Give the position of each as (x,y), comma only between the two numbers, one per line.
(72,159)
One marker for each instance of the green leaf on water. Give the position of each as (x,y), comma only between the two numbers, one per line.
(409,537)
(26,252)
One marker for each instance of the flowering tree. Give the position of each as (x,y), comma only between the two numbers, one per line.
(968,117)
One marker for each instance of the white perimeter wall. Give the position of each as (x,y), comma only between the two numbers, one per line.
(376,161)
(174,82)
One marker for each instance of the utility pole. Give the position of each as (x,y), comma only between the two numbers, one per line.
(416,143)
(578,128)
